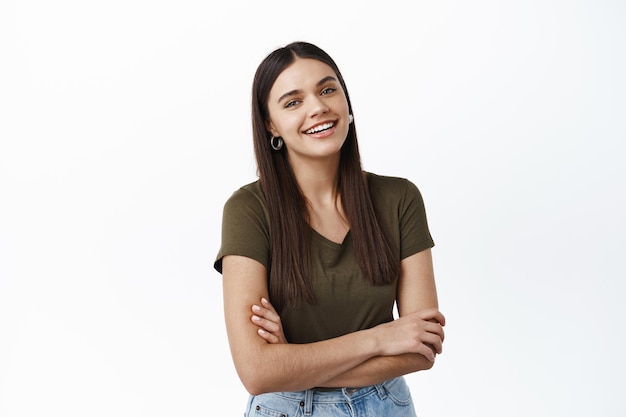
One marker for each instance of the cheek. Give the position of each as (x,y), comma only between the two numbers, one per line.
(290,124)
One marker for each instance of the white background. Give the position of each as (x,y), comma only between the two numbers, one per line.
(125,125)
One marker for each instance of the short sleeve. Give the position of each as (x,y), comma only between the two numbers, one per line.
(414,232)
(245,228)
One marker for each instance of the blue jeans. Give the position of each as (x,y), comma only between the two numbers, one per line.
(392,398)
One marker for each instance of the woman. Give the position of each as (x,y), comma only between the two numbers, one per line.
(315,254)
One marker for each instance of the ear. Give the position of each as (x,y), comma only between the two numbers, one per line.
(270,128)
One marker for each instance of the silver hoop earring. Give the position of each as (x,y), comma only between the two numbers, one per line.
(350,119)
(276,143)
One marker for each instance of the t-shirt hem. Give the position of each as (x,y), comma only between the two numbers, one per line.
(412,250)
(257,257)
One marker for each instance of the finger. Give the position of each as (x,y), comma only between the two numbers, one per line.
(439,318)
(427,352)
(267,325)
(271,313)
(434,342)
(267,304)
(432,314)
(265,313)
(268,337)
(268,313)
(435,328)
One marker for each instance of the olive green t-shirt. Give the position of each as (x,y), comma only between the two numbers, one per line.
(345,301)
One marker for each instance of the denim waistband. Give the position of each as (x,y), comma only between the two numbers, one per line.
(331,395)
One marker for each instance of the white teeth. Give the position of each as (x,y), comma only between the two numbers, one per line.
(320,128)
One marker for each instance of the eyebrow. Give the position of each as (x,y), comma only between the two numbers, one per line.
(294,92)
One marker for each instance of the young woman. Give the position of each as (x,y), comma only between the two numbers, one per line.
(316,253)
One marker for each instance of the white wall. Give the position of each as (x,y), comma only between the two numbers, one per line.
(124,125)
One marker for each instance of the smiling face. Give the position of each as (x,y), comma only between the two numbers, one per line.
(309,110)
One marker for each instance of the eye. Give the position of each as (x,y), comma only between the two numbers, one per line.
(291,103)
(328,90)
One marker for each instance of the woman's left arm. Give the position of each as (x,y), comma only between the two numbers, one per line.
(417,295)
(416,284)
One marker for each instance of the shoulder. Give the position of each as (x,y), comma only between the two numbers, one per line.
(382,186)
(249,195)
(385,181)
(246,205)
(245,226)
(395,194)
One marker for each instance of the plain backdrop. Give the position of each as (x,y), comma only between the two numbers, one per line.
(125,125)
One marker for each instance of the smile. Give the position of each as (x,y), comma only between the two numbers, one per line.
(320,128)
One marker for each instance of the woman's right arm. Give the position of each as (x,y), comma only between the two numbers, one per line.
(266,367)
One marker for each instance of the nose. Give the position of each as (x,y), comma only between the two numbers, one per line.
(317,106)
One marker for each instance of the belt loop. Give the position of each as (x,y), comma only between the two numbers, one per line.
(382,392)
(308,402)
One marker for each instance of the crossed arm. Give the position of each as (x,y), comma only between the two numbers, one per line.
(265,362)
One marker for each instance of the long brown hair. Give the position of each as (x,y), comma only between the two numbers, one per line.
(289,276)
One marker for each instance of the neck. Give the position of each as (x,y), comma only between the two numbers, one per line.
(318,180)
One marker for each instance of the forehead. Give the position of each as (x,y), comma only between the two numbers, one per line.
(302,74)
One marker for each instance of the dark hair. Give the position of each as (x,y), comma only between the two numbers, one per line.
(289,278)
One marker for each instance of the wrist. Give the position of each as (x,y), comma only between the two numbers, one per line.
(373,342)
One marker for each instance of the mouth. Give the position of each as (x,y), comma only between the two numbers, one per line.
(322,127)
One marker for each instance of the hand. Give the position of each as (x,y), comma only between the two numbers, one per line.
(268,321)
(419,332)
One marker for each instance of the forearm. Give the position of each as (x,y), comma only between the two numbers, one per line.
(386,355)
(295,367)
(378,369)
